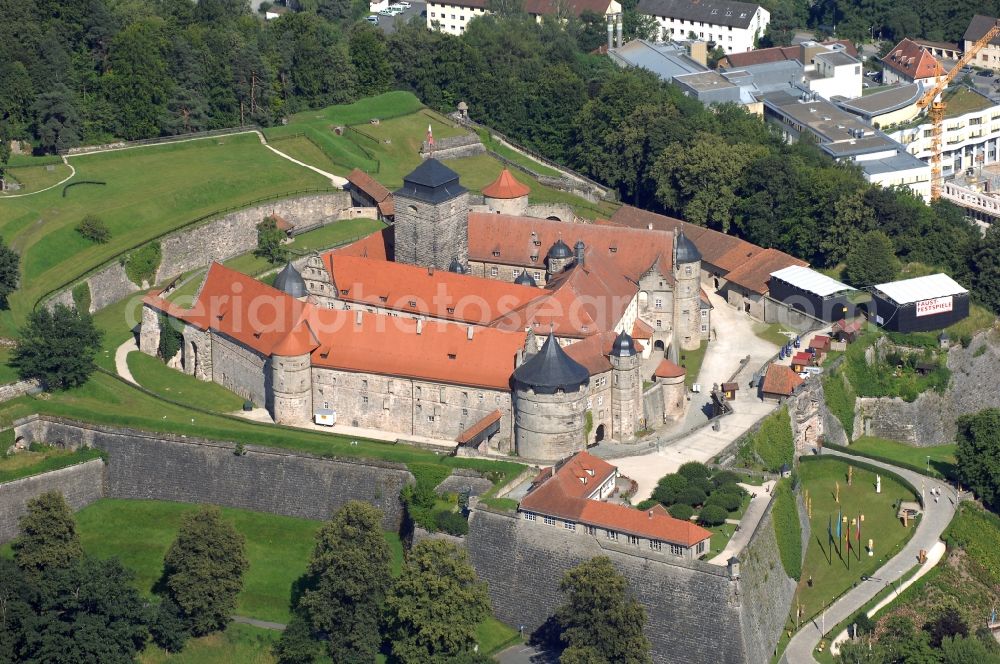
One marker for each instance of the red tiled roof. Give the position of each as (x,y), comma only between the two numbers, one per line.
(912,61)
(270,322)
(369,185)
(563,492)
(641,329)
(436,293)
(281,223)
(780,380)
(820,342)
(802,357)
(387,207)
(756,272)
(518,239)
(668,369)
(478,427)
(850,328)
(593,352)
(376,246)
(506,187)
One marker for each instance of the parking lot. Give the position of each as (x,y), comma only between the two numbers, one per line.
(388,23)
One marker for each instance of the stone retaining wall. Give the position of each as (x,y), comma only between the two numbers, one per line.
(166,467)
(20,388)
(695,613)
(81,485)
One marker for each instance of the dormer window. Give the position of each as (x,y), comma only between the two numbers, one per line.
(534,259)
(451,310)
(382,298)
(496,252)
(614,250)
(343,292)
(537,243)
(452,356)
(413,303)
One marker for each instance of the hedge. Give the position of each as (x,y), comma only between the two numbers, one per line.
(788,529)
(141,265)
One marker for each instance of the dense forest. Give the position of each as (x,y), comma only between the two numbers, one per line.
(86,71)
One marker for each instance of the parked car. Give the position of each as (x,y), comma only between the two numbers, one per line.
(404,4)
(985,73)
(372,19)
(385,12)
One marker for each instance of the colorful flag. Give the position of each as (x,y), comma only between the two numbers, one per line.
(430,137)
(840,517)
(829,528)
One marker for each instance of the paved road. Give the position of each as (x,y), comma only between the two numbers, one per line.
(525,654)
(748,524)
(388,23)
(937,516)
(263,624)
(121,359)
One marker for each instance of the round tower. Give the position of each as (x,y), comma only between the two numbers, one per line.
(550,402)
(456,267)
(291,377)
(687,293)
(670,378)
(506,195)
(626,388)
(525,279)
(559,256)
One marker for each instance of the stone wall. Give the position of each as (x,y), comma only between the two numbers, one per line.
(464,480)
(559,211)
(927,421)
(805,409)
(167,467)
(108,286)
(693,609)
(653,406)
(765,591)
(19,388)
(454,147)
(80,485)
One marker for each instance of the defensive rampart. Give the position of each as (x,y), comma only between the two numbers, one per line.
(80,485)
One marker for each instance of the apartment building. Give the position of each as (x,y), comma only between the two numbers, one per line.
(453,17)
(989,56)
(733,26)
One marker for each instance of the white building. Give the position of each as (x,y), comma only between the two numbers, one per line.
(452,17)
(733,26)
(834,74)
(990,55)
(969,140)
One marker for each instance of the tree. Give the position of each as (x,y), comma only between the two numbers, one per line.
(600,618)
(57,347)
(871,260)
(978,455)
(203,569)
(48,538)
(948,623)
(87,612)
(435,605)
(347,581)
(270,242)
(168,627)
(93,228)
(370,58)
(297,645)
(139,82)
(171,339)
(57,120)
(681,511)
(10,264)
(965,649)
(669,488)
(712,515)
(581,655)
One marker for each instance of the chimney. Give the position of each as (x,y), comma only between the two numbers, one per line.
(430,271)
(649,227)
(698,50)
(470,333)
(420,326)
(611,35)
(578,251)
(357,317)
(650,514)
(621,42)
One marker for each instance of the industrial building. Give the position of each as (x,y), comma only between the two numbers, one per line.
(811,292)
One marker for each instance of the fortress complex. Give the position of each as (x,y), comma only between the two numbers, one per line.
(502,332)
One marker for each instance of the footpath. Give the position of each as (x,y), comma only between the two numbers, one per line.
(936,517)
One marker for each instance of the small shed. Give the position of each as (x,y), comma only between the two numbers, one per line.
(801,360)
(811,292)
(922,304)
(325,417)
(729,390)
(779,382)
(847,331)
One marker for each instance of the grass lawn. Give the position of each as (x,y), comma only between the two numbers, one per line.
(239,643)
(35,178)
(8,374)
(833,574)
(515,156)
(184,295)
(157,377)
(107,400)
(942,457)
(41,460)
(774,333)
(305,150)
(691,360)
(720,538)
(493,635)
(149,191)
(331,235)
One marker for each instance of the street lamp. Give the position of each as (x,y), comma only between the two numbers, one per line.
(928,463)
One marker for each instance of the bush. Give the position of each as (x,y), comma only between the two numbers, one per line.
(840,399)
(773,443)
(693,470)
(93,228)
(171,338)
(168,627)
(692,496)
(270,242)
(668,488)
(712,515)
(452,523)
(727,501)
(646,504)
(725,477)
(141,265)
(788,529)
(682,512)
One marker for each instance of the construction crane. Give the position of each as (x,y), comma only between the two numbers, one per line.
(934,100)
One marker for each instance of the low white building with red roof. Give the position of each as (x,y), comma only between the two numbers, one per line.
(572,496)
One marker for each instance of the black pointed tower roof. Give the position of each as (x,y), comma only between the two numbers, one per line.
(551,369)
(290,282)
(431,182)
(686,251)
(456,267)
(623,345)
(525,279)
(560,250)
